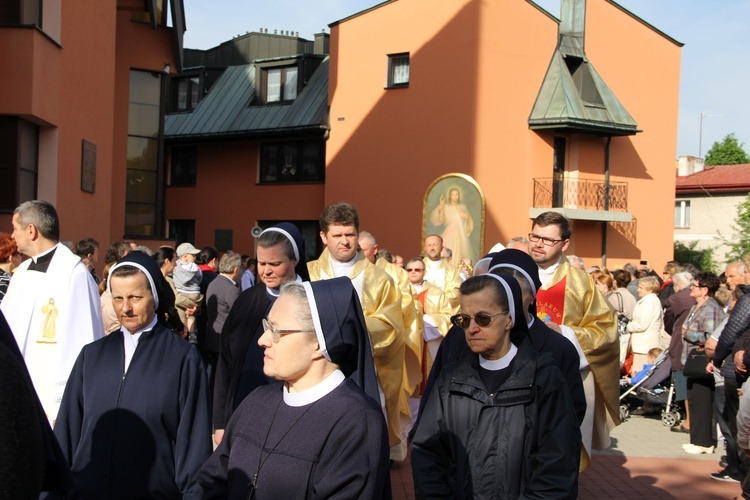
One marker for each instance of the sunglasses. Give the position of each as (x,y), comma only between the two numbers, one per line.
(413,269)
(481,319)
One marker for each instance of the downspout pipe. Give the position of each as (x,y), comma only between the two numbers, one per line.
(606,199)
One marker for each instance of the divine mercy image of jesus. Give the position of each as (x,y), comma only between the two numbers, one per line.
(455,219)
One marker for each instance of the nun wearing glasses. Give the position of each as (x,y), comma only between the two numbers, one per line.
(500,422)
(318,432)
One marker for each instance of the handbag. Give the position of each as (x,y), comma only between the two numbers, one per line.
(695,364)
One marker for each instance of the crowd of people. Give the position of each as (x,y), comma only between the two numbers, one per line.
(186,372)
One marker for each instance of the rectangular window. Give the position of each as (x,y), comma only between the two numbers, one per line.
(19,169)
(143,189)
(682,213)
(21,12)
(398,70)
(185,93)
(298,161)
(280,84)
(184,166)
(159,11)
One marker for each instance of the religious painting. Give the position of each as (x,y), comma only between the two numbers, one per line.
(454,209)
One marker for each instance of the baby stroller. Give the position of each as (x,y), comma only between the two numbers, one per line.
(656,389)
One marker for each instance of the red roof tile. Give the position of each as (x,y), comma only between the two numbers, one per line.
(716,179)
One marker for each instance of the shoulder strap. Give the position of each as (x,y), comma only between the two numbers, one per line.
(619,299)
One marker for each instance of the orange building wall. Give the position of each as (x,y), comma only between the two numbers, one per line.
(227,196)
(452,118)
(476,69)
(78,89)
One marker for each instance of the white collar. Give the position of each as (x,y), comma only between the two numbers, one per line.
(316,392)
(499,364)
(343,268)
(545,275)
(230,279)
(274,292)
(37,256)
(144,329)
(433,264)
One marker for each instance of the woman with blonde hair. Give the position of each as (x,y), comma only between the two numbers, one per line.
(647,322)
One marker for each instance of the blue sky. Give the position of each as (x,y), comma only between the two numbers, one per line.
(715,59)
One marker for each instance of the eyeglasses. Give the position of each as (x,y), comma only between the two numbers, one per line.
(413,269)
(481,319)
(276,333)
(693,285)
(547,241)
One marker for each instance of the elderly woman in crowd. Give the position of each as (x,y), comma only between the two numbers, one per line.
(500,422)
(701,322)
(318,432)
(647,322)
(134,420)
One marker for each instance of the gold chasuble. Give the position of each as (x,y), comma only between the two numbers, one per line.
(571,299)
(412,321)
(435,304)
(381,305)
(449,279)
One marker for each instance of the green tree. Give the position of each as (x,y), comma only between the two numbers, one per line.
(739,243)
(688,254)
(727,152)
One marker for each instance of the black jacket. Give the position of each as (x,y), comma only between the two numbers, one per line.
(236,375)
(522,441)
(739,321)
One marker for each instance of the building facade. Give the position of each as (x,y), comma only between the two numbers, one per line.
(251,152)
(706,203)
(81,113)
(457,87)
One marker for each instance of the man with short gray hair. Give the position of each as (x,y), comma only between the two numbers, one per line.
(52,304)
(735,273)
(220,296)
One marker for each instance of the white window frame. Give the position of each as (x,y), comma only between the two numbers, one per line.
(685,213)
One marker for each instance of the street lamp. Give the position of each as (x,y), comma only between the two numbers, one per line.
(700,134)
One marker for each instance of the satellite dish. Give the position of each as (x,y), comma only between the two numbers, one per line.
(255,231)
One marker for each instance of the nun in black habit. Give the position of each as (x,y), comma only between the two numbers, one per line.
(135,420)
(520,265)
(318,432)
(239,370)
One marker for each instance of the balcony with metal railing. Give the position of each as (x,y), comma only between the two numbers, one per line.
(584,199)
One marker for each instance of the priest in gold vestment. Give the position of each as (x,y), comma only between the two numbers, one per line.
(570,304)
(381,305)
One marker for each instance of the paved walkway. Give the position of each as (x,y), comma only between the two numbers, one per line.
(645,461)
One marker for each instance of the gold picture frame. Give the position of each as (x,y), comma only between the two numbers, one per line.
(459,220)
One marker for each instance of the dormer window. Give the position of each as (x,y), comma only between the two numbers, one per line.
(186,93)
(280,84)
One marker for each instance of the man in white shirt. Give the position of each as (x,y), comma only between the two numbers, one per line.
(440,272)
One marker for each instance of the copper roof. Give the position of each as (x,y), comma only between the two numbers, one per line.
(720,178)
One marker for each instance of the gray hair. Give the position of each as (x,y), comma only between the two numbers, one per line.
(574,259)
(518,239)
(144,249)
(631,269)
(40,214)
(683,279)
(739,265)
(367,235)
(303,312)
(229,262)
(448,252)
